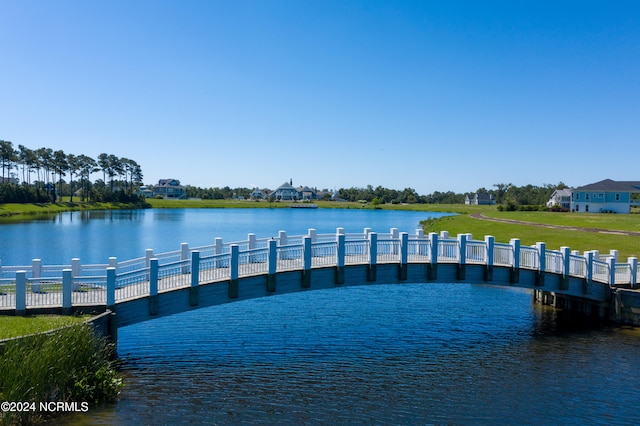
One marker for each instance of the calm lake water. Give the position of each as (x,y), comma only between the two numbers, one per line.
(378,354)
(126,234)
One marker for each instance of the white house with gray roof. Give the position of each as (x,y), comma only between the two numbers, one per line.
(606,196)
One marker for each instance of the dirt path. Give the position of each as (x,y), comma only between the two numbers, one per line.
(563,227)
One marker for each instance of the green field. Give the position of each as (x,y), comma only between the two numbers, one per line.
(11,326)
(554,238)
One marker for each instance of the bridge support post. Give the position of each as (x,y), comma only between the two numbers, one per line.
(489,242)
(233,271)
(588,279)
(432,266)
(306,262)
(633,263)
(111,288)
(273,264)
(566,267)
(194,290)
(612,270)
(515,267)
(21,292)
(462,257)
(153,286)
(404,256)
(373,257)
(542,263)
(340,254)
(67,292)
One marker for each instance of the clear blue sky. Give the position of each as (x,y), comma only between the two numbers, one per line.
(433,95)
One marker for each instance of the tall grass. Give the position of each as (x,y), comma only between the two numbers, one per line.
(71,364)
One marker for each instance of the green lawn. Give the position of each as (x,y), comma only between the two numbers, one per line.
(11,326)
(554,238)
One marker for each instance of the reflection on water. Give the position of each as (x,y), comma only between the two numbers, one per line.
(377,354)
(94,236)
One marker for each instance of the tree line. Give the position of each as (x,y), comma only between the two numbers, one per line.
(36,175)
(507,195)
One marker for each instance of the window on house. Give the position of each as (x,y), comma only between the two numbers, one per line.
(617,197)
(577,207)
(586,208)
(577,196)
(586,196)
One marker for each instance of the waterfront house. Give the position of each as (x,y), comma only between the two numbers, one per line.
(606,196)
(257,194)
(145,192)
(286,192)
(169,188)
(480,199)
(561,198)
(307,193)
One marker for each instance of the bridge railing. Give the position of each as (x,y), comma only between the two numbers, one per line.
(39,285)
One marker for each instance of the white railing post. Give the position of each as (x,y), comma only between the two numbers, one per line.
(373,256)
(111,287)
(306,262)
(217,250)
(194,290)
(21,292)
(542,263)
(75,271)
(113,262)
(633,264)
(282,241)
(184,256)
(273,266)
(515,267)
(312,234)
(251,243)
(395,236)
(489,243)
(404,256)
(67,291)
(462,257)
(432,266)
(36,273)
(340,255)
(614,254)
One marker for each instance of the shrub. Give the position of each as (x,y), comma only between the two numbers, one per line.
(71,364)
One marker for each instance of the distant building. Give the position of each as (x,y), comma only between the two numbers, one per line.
(145,192)
(169,189)
(480,199)
(561,198)
(606,196)
(286,192)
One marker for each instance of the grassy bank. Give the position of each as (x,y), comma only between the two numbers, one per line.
(16,212)
(23,326)
(555,238)
(70,365)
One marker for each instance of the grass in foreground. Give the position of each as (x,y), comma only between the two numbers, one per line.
(23,326)
(69,365)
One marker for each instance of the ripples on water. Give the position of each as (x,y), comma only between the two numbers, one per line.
(380,354)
